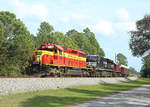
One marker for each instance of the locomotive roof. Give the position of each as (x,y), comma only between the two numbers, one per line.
(124,66)
(92,55)
(59,47)
(56,46)
(81,52)
(76,50)
(102,57)
(62,48)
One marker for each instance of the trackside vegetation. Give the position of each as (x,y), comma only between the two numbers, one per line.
(139,43)
(67,96)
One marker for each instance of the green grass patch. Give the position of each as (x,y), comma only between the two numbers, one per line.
(67,96)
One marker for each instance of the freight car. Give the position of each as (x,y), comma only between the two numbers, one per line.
(55,60)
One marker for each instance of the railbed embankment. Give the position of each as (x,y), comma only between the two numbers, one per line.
(18,85)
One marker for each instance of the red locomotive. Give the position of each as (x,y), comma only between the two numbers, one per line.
(58,58)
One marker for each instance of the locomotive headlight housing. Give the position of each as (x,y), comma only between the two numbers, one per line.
(87,63)
(38,58)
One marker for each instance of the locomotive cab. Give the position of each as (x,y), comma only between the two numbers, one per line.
(44,51)
(91,61)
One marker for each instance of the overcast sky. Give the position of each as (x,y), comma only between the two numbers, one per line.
(110,20)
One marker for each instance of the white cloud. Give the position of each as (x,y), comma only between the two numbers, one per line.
(123,14)
(125,26)
(24,10)
(124,23)
(108,28)
(103,27)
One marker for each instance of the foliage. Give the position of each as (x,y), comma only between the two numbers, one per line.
(94,45)
(66,96)
(44,34)
(86,41)
(16,45)
(79,39)
(132,71)
(140,39)
(65,41)
(140,43)
(145,71)
(1,42)
(121,59)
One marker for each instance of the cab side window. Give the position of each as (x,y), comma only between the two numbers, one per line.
(55,50)
(60,52)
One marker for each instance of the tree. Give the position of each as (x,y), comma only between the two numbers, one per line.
(86,41)
(1,42)
(79,39)
(145,71)
(16,45)
(95,47)
(65,41)
(44,34)
(132,71)
(121,59)
(140,38)
(140,43)
(1,33)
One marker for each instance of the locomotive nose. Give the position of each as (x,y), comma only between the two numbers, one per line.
(38,58)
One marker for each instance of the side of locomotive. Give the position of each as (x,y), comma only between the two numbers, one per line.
(102,67)
(52,59)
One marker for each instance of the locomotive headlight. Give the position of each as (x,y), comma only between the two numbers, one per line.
(38,58)
(87,63)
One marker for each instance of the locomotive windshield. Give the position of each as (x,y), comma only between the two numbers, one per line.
(49,48)
(91,58)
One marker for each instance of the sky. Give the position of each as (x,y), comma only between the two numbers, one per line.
(110,20)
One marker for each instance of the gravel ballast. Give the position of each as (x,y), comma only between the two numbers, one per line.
(18,85)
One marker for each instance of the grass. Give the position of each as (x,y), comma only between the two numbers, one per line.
(67,96)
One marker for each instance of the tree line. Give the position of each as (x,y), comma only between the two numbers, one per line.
(140,43)
(17,43)
(84,41)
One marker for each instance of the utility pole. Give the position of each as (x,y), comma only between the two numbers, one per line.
(115,58)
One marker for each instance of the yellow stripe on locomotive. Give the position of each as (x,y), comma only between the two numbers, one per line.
(50,54)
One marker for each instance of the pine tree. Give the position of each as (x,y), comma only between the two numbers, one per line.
(44,34)
(16,46)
